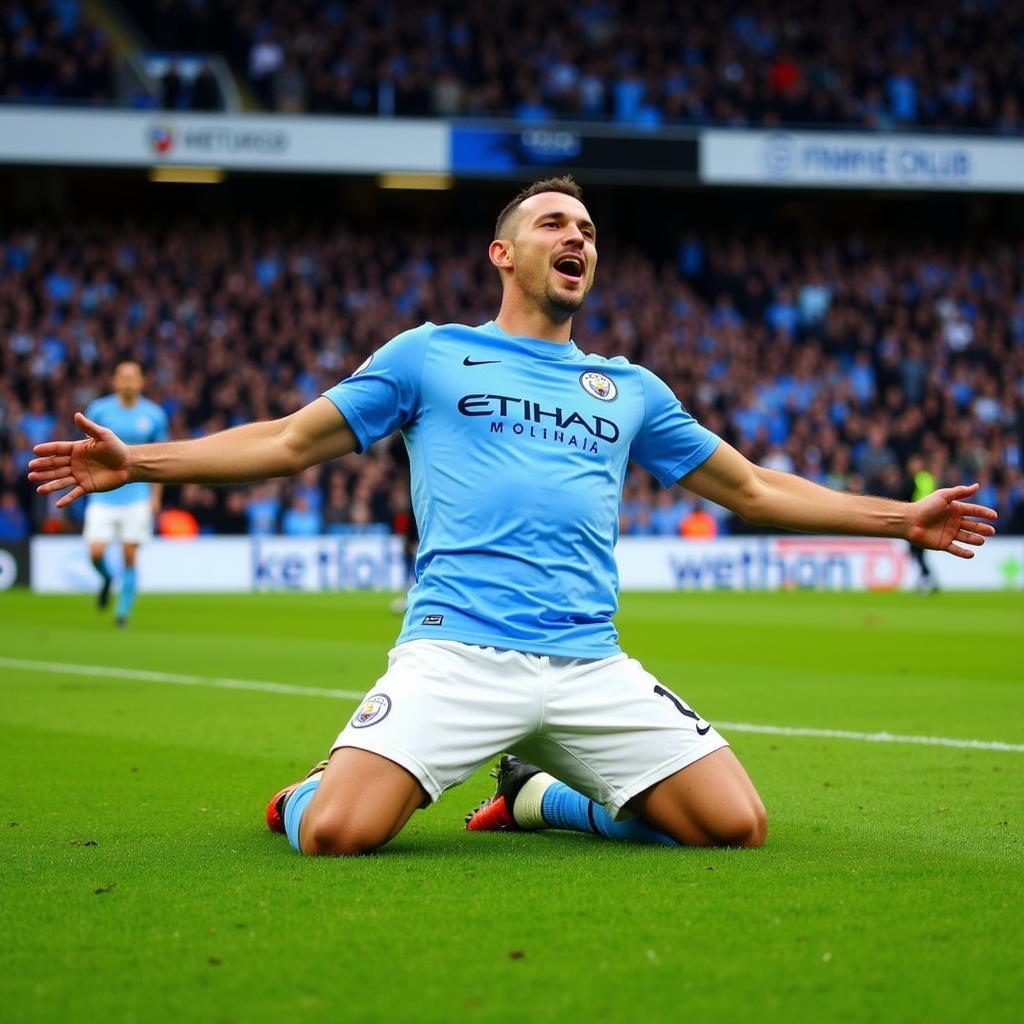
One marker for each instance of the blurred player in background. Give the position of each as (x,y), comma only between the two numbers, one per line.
(124,516)
(519,445)
(920,483)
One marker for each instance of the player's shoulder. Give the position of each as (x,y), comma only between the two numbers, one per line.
(404,348)
(409,344)
(422,333)
(618,367)
(439,338)
(458,333)
(592,358)
(638,382)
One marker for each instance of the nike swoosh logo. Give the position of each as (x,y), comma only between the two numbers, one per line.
(478,362)
(704,731)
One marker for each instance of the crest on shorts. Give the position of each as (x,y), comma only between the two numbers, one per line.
(374,709)
(597,385)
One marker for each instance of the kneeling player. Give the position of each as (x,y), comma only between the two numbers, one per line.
(519,443)
(605,725)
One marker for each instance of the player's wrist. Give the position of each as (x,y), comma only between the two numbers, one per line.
(908,528)
(132,467)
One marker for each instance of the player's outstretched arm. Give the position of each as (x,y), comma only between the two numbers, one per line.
(944,521)
(101,461)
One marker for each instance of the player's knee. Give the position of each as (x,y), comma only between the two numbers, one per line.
(759,832)
(340,836)
(747,826)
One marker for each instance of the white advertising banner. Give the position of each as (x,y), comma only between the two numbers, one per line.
(342,562)
(375,562)
(861,160)
(793,561)
(247,142)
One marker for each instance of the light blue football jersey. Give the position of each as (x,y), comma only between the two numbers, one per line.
(518,450)
(142,423)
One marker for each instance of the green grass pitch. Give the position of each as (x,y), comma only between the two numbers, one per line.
(138,883)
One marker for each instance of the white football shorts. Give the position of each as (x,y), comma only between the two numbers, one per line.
(131,523)
(607,728)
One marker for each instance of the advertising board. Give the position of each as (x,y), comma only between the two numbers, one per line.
(375,562)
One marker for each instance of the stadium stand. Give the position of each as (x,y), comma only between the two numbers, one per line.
(949,65)
(51,53)
(874,64)
(839,360)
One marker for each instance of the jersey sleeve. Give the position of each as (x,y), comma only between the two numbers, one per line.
(383,395)
(670,442)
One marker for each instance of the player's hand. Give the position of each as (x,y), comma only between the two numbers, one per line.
(99,462)
(945,522)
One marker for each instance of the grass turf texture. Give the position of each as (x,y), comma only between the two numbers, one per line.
(139,883)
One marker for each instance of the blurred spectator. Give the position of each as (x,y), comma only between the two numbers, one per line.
(290,88)
(874,457)
(263,510)
(336,508)
(307,485)
(38,423)
(266,55)
(231,516)
(177,524)
(668,513)
(300,520)
(205,93)
(171,88)
(14,524)
(699,524)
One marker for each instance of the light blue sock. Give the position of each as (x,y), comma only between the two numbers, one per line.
(126,599)
(563,807)
(295,807)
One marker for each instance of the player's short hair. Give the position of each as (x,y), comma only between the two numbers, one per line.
(565,184)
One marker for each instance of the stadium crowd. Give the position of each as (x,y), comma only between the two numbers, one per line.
(953,64)
(949,65)
(50,52)
(841,361)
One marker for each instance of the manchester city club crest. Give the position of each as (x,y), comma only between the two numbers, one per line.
(597,385)
(374,709)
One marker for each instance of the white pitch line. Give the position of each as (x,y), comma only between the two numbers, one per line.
(145,676)
(872,737)
(258,686)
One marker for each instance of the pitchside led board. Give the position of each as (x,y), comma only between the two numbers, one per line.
(374,562)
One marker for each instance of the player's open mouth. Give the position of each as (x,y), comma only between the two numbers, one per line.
(570,266)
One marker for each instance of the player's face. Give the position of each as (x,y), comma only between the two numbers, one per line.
(128,381)
(555,252)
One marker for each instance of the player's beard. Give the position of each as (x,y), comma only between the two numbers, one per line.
(561,307)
